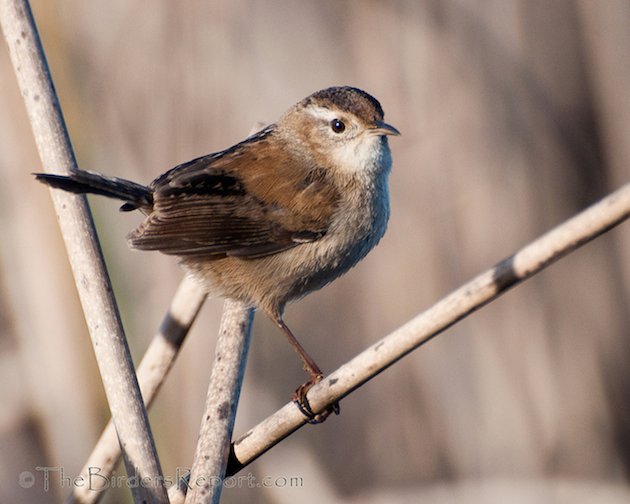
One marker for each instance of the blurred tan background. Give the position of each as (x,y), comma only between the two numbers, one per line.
(515,115)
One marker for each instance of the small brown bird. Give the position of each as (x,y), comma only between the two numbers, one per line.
(274,217)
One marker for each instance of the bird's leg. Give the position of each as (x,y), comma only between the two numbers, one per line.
(316,375)
(309,364)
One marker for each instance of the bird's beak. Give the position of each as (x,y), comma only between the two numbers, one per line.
(382,128)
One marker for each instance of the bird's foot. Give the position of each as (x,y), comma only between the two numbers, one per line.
(301,401)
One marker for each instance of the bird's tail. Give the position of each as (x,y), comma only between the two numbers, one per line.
(135,196)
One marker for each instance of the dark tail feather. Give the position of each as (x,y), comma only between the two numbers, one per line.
(81,182)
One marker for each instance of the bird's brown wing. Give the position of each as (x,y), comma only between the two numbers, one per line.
(250,201)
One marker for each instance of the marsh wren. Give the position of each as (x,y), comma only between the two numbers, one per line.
(274,217)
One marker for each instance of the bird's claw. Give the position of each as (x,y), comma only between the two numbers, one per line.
(303,404)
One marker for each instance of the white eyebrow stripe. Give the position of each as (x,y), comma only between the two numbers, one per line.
(322,113)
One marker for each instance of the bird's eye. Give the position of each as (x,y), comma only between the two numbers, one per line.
(337,125)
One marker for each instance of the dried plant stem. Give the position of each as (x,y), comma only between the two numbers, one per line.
(84,253)
(531,259)
(208,470)
(153,368)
